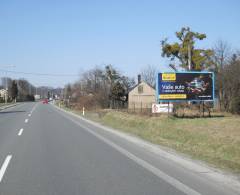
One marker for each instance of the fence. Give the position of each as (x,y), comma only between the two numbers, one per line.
(183,109)
(140,107)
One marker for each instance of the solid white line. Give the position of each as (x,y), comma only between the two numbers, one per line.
(4,166)
(172,181)
(20,132)
(26,120)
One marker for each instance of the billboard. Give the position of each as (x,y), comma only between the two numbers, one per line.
(185,86)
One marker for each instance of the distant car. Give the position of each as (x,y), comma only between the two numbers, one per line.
(45,101)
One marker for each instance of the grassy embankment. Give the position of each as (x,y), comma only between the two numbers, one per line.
(6,104)
(213,140)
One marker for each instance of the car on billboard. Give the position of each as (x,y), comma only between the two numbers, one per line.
(197,86)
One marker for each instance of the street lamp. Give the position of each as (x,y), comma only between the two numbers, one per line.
(6,82)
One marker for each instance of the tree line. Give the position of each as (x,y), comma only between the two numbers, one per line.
(22,90)
(17,90)
(100,87)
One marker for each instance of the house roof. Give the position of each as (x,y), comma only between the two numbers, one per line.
(139,84)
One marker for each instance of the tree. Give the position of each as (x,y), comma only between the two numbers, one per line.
(221,57)
(14,90)
(23,88)
(26,89)
(148,75)
(127,82)
(111,74)
(48,95)
(101,87)
(185,50)
(112,77)
(6,82)
(222,54)
(68,91)
(118,92)
(231,80)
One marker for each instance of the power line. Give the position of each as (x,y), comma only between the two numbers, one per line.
(39,74)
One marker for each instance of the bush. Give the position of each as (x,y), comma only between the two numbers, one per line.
(235,105)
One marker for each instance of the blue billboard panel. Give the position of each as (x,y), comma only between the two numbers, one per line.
(185,86)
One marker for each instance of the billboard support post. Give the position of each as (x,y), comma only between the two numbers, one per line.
(168,109)
(203,108)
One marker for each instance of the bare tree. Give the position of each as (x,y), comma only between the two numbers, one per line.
(148,75)
(231,98)
(23,87)
(222,53)
(101,87)
(14,90)
(221,57)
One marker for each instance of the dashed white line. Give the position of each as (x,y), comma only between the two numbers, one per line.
(34,107)
(4,166)
(26,120)
(20,132)
(29,115)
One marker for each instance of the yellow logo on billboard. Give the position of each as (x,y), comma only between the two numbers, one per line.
(172,96)
(168,77)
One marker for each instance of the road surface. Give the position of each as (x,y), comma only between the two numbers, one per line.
(45,151)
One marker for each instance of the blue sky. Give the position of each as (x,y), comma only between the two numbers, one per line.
(68,37)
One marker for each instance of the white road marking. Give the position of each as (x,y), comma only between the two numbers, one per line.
(34,107)
(20,132)
(157,172)
(26,120)
(4,166)
(29,115)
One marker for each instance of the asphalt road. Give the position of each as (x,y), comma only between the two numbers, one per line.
(44,151)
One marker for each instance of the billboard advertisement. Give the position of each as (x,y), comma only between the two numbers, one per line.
(185,86)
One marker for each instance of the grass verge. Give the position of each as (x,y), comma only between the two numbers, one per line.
(3,105)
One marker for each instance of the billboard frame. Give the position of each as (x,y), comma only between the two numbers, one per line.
(191,100)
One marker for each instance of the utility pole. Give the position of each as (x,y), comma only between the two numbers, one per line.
(6,87)
(189,57)
(189,62)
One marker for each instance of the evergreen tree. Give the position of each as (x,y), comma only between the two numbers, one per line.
(185,50)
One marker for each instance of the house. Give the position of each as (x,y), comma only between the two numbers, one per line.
(3,93)
(141,96)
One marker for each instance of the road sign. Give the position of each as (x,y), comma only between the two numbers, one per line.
(162,108)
